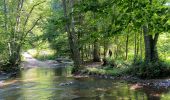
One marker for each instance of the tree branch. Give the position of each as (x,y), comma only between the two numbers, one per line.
(25,35)
(30,12)
(33,26)
(19,8)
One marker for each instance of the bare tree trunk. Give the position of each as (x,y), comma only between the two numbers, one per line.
(96,52)
(75,53)
(105,49)
(127,44)
(82,53)
(151,54)
(135,49)
(86,52)
(141,51)
(90,52)
(117,47)
(5,15)
(15,57)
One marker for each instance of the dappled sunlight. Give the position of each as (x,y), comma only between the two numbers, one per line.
(136,86)
(84,50)
(6,83)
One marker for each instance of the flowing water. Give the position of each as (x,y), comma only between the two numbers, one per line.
(58,84)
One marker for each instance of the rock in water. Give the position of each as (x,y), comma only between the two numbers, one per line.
(65,84)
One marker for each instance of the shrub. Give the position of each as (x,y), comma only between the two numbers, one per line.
(150,70)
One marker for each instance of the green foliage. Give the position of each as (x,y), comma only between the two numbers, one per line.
(150,70)
(54,31)
(109,22)
(18,20)
(108,71)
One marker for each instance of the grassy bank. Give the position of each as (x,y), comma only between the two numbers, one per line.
(141,70)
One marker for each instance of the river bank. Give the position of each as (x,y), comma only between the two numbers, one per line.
(95,70)
(40,76)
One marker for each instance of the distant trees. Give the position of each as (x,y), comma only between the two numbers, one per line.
(125,17)
(128,29)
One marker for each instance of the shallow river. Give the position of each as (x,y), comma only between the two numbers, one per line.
(58,84)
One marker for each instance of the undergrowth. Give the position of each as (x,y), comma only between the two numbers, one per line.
(150,70)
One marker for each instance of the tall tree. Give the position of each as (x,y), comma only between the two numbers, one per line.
(155,21)
(70,29)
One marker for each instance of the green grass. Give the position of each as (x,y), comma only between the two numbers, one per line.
(46,57)
(142,70)
(108,71)
(45,54)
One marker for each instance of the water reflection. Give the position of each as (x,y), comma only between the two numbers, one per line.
(44,84)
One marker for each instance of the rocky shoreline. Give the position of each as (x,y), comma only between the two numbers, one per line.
(154,83)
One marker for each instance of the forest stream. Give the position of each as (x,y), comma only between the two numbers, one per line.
(56,83)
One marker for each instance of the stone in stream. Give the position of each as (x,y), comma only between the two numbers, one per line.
(64,60)
(105,76)
(112,77)
(66,84)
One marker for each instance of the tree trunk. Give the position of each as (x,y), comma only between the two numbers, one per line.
(82,53)
(86,52)
(151,53)
(141,51)
(135,49)
(75,53)
(5,15)
(90,49)
(15,57)
(105,49)
(96,52)
(116,50)
(127,44)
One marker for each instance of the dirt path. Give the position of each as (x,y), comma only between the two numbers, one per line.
(31,62)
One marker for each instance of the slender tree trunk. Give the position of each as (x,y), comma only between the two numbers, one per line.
(13,47)
(96,52)
(117,48)
(141,51)
(86,52)
(15,57)
(82,53)
(151,54)
(127,44)
(90,52)
(105,49)
(5,15)
(6,25)
(75,54)
(135,49)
